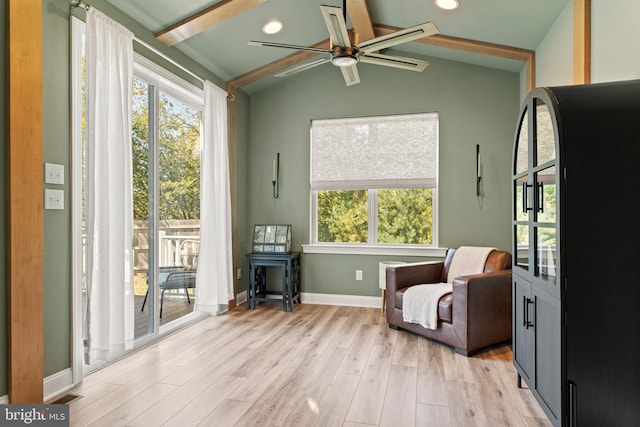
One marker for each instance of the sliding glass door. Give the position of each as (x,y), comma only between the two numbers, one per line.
(166,158)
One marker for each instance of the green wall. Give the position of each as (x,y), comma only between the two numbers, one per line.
(3,224)
(476,105)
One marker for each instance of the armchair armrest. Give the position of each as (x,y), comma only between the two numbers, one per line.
(482,307)
(405,275)
(401,276)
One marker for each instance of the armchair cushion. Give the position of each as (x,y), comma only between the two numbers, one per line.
(421,303)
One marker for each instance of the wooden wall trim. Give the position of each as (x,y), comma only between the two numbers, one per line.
(581,41)
(25,196)
(531,72)
(232,135)
(468,45)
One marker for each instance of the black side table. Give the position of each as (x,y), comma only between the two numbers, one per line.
(257,289)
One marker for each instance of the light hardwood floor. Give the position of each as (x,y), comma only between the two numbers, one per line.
(317,366)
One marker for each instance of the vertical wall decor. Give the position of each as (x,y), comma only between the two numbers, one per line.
(276,175)
(478,170)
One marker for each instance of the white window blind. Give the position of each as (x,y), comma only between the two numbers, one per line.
(399,151)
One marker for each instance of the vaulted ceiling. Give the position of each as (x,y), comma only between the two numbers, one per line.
(494,33)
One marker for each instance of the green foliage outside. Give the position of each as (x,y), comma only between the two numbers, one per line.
(140,150)
(342,216)
(405,216)
(179,156)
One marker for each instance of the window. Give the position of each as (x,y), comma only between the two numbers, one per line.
(374,180)
(166,186)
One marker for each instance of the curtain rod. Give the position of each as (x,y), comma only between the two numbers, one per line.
(79,3)
(85,6)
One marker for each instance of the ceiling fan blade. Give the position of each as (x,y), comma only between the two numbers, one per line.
(394,61)
(401,36)
(288,46)
(350,74)
(336,25)
(302,67)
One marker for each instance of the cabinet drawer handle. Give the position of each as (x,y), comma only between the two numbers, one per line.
(529,323)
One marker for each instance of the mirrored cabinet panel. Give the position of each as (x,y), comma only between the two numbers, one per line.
(544,135)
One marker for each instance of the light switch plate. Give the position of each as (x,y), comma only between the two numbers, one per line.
(53,174)
(53,199)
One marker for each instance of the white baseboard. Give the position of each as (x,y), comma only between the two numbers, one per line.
(241,297)
(4,400)
(334,299)
(328,299)
(58,383)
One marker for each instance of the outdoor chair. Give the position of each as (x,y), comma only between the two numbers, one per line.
(173,278)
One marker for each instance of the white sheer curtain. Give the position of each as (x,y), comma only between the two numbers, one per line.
(215,266)
(108,180)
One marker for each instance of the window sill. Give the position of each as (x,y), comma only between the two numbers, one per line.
(374,250)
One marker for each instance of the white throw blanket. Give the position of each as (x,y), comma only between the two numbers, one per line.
(468,260)
(420,303)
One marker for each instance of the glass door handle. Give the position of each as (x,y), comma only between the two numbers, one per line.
(540,197)
(525,197)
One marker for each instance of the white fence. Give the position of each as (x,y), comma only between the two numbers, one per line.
(179,244)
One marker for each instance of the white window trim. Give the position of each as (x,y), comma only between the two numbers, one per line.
(167,82)
(77,33)
(391,250)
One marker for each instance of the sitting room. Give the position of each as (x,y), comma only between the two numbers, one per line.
(396,145)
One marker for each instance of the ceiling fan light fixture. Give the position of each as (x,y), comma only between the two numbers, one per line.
(344,60)
(448,4)
(272,27)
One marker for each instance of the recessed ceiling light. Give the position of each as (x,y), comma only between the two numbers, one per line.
(272,27)
(447,4)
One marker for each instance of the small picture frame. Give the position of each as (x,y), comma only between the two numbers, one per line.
(271,238)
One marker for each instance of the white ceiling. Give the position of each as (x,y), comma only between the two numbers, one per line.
(223,48)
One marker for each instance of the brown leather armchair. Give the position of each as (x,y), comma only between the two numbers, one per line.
(476,314)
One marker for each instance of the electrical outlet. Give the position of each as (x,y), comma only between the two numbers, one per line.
(358,274)
(53,174)
(54,199)
(238,274)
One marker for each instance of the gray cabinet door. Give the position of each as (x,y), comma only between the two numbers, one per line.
(523,332)
(548,354)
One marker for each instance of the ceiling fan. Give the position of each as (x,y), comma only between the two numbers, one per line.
(345,51)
